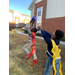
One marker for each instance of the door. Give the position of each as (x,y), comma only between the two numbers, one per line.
(17,21)
(26,21)
(39,16)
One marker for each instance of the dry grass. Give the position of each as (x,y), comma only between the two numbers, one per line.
(18,65)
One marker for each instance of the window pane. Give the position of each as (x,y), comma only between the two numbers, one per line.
(21,25)
(39,13)
(39,9)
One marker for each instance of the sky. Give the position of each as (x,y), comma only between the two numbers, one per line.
(20,5)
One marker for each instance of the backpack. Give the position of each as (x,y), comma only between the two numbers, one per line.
(55,50)
(56,54)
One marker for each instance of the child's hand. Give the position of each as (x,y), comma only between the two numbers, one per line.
(39,27)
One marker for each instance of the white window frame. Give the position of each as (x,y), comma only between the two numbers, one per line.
(38,12)
(39,18)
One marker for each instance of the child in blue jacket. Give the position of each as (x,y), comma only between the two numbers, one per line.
(47,37)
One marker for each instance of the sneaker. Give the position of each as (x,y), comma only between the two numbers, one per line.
(29,55)
(34,62)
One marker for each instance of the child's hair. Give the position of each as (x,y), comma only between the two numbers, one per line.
(31,21)
(34,29)
(59,34)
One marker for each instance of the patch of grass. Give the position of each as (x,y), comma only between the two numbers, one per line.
(38,34)
(19,29)
(18,63)
(25,31)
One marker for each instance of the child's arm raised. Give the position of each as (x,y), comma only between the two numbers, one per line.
(46,38)
(48,34)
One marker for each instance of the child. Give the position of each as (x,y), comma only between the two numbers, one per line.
(12,31)
(31,41)
(51,62)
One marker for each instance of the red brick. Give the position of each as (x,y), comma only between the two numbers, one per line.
(14,24)
(21,24)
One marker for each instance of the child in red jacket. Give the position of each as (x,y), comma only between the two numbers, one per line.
(31,42)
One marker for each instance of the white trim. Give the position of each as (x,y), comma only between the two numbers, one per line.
(37,1)
(58,58)
(31,5)
(55,9)
(39,18)
(51,56)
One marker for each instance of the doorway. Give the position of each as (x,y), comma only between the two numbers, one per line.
(39,16)
(17,21)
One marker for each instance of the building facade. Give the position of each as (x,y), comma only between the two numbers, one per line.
(50,14)
(17,19)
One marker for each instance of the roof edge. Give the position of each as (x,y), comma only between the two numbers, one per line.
(30,7)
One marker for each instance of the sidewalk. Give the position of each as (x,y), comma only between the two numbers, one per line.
(61,42)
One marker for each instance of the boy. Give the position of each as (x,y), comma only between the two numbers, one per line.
(31,41)
(56,38)
(12,31)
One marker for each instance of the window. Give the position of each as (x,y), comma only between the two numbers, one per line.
(22,17)
(26,17)
(21,21)
(38,24)
(39,11)
(26,21)
(21,25)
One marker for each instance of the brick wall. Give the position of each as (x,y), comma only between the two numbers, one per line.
(21,24)
(50,25)
(10,24)
(14,24)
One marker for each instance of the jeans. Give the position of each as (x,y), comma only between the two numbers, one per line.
(49,66)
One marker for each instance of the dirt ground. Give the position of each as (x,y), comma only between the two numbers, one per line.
(19,65)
